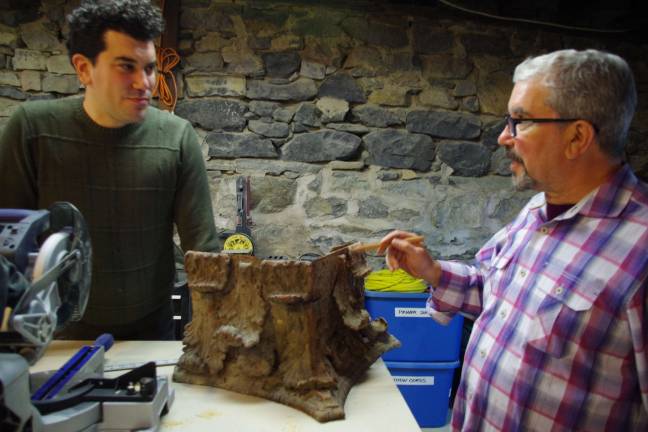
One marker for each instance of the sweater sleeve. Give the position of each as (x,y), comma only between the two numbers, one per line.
(18,175)
(193,212)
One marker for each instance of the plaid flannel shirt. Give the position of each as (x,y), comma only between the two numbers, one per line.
(559,341)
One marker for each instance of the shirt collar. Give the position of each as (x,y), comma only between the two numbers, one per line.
(607,200)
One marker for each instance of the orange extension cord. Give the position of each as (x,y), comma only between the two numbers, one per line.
(167,59)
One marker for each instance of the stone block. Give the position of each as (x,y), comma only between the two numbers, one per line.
(211,42)
(470,103)
(63,84)
(346,165)
(29,59)
(9,78)
(284,115)
(445,66)
(230,146)
(308,114)
(300,90)
(394,148)
(438,97)
(264,108)
(342,86)
(494,91)
(465,158)
(270,130)
(8,36)
(272,194)
(321,146)
(8,106)
(60,64)
(390,95)
(310,69)
(204,62)
(328,207)
(212,85)
(500,162)
(353,128)
(332,109)
(465,88)
(444,124)
(39,36)
(12,93)
(281,64)
(375,116)
(242,61)
(372,209)
(287,42)
(214,114)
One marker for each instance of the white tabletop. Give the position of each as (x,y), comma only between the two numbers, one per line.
(374,404)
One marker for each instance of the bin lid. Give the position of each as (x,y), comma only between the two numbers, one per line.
(396,295)
(422,365)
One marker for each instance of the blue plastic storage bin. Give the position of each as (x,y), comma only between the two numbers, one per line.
(426,388)
(422,338)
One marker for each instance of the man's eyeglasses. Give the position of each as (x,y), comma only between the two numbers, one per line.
(514,122)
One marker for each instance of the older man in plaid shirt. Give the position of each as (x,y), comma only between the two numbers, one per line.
(559,294)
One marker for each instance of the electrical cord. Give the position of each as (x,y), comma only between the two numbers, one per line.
(396,281)
(530,21)
(167,59)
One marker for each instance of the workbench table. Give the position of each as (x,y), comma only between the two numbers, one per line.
(374,404)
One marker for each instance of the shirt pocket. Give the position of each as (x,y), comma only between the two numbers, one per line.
(494,282)
(563,313)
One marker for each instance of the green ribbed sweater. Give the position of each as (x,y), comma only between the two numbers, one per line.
(131,184)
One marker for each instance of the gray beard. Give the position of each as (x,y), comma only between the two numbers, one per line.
(523,182)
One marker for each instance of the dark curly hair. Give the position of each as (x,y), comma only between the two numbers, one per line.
(89,22)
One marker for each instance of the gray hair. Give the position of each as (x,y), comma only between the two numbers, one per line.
(591,85)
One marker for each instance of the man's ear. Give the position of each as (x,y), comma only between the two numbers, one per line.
(83,66)
(581,136)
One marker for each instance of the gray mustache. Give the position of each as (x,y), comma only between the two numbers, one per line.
(513,156)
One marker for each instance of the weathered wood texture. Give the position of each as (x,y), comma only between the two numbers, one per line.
(295,332)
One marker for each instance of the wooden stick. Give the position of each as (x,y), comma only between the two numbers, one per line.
(364,247)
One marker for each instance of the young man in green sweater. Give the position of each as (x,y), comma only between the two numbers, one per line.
(132,170)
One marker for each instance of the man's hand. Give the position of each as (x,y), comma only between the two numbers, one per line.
(411,257)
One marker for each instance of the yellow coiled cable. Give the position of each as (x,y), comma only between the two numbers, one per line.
(397,281)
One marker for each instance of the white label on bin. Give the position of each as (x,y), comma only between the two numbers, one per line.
(405,312)
(414,380)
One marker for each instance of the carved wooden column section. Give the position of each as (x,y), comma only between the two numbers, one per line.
(295,332)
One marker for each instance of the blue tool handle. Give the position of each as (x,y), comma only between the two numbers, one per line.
(62,376)
(106,340)
(14,215)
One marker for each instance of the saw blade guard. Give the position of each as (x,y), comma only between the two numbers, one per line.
(74,287)
(60,283)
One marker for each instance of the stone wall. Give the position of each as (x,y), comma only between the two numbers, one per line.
(351,118)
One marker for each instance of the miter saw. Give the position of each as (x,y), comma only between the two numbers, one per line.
(51,249)
(47,257)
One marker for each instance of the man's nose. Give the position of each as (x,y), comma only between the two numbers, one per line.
(505,138)
(143,81)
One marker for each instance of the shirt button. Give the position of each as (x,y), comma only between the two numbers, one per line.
(482,353)
(559,290)
(544,230)
(503,313)
(523,273)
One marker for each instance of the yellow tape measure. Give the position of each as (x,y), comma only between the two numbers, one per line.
(238,243)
